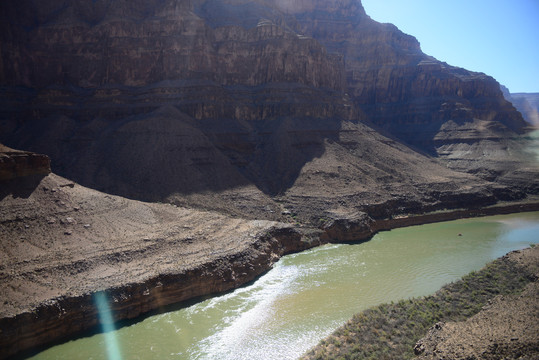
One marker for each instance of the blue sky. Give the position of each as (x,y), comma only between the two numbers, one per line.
(497,37)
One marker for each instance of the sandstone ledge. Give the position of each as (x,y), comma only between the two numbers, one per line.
(16,164)
(360,227)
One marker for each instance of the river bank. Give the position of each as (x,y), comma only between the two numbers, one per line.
(148,279)
(489,314)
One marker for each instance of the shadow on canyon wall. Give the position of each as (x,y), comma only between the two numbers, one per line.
(157,98)
(163,151)
(21,187)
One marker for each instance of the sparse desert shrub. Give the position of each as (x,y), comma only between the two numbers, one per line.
(389,331)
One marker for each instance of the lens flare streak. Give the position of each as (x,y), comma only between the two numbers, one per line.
(107,326)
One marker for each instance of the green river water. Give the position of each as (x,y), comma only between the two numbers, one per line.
(308,295)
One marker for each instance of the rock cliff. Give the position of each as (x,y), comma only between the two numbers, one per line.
(457,115)
(234,79)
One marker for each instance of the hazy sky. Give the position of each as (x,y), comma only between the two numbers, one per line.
(497,37)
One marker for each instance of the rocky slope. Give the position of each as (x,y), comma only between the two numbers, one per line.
(507,329)
(15,164)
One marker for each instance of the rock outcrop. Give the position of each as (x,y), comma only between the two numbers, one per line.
(15,164)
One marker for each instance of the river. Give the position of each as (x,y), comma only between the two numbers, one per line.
(308,295)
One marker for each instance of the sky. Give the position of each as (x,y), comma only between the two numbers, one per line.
(497,37)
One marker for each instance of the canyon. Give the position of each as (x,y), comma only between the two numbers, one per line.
(193,143)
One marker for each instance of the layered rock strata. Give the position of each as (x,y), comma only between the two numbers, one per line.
(16,164)
(459,116)
(234,95)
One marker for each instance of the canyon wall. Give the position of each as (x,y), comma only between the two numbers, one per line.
(217,95)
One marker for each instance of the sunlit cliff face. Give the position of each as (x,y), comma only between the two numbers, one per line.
(300,6)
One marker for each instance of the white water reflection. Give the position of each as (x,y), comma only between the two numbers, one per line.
(245,323)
